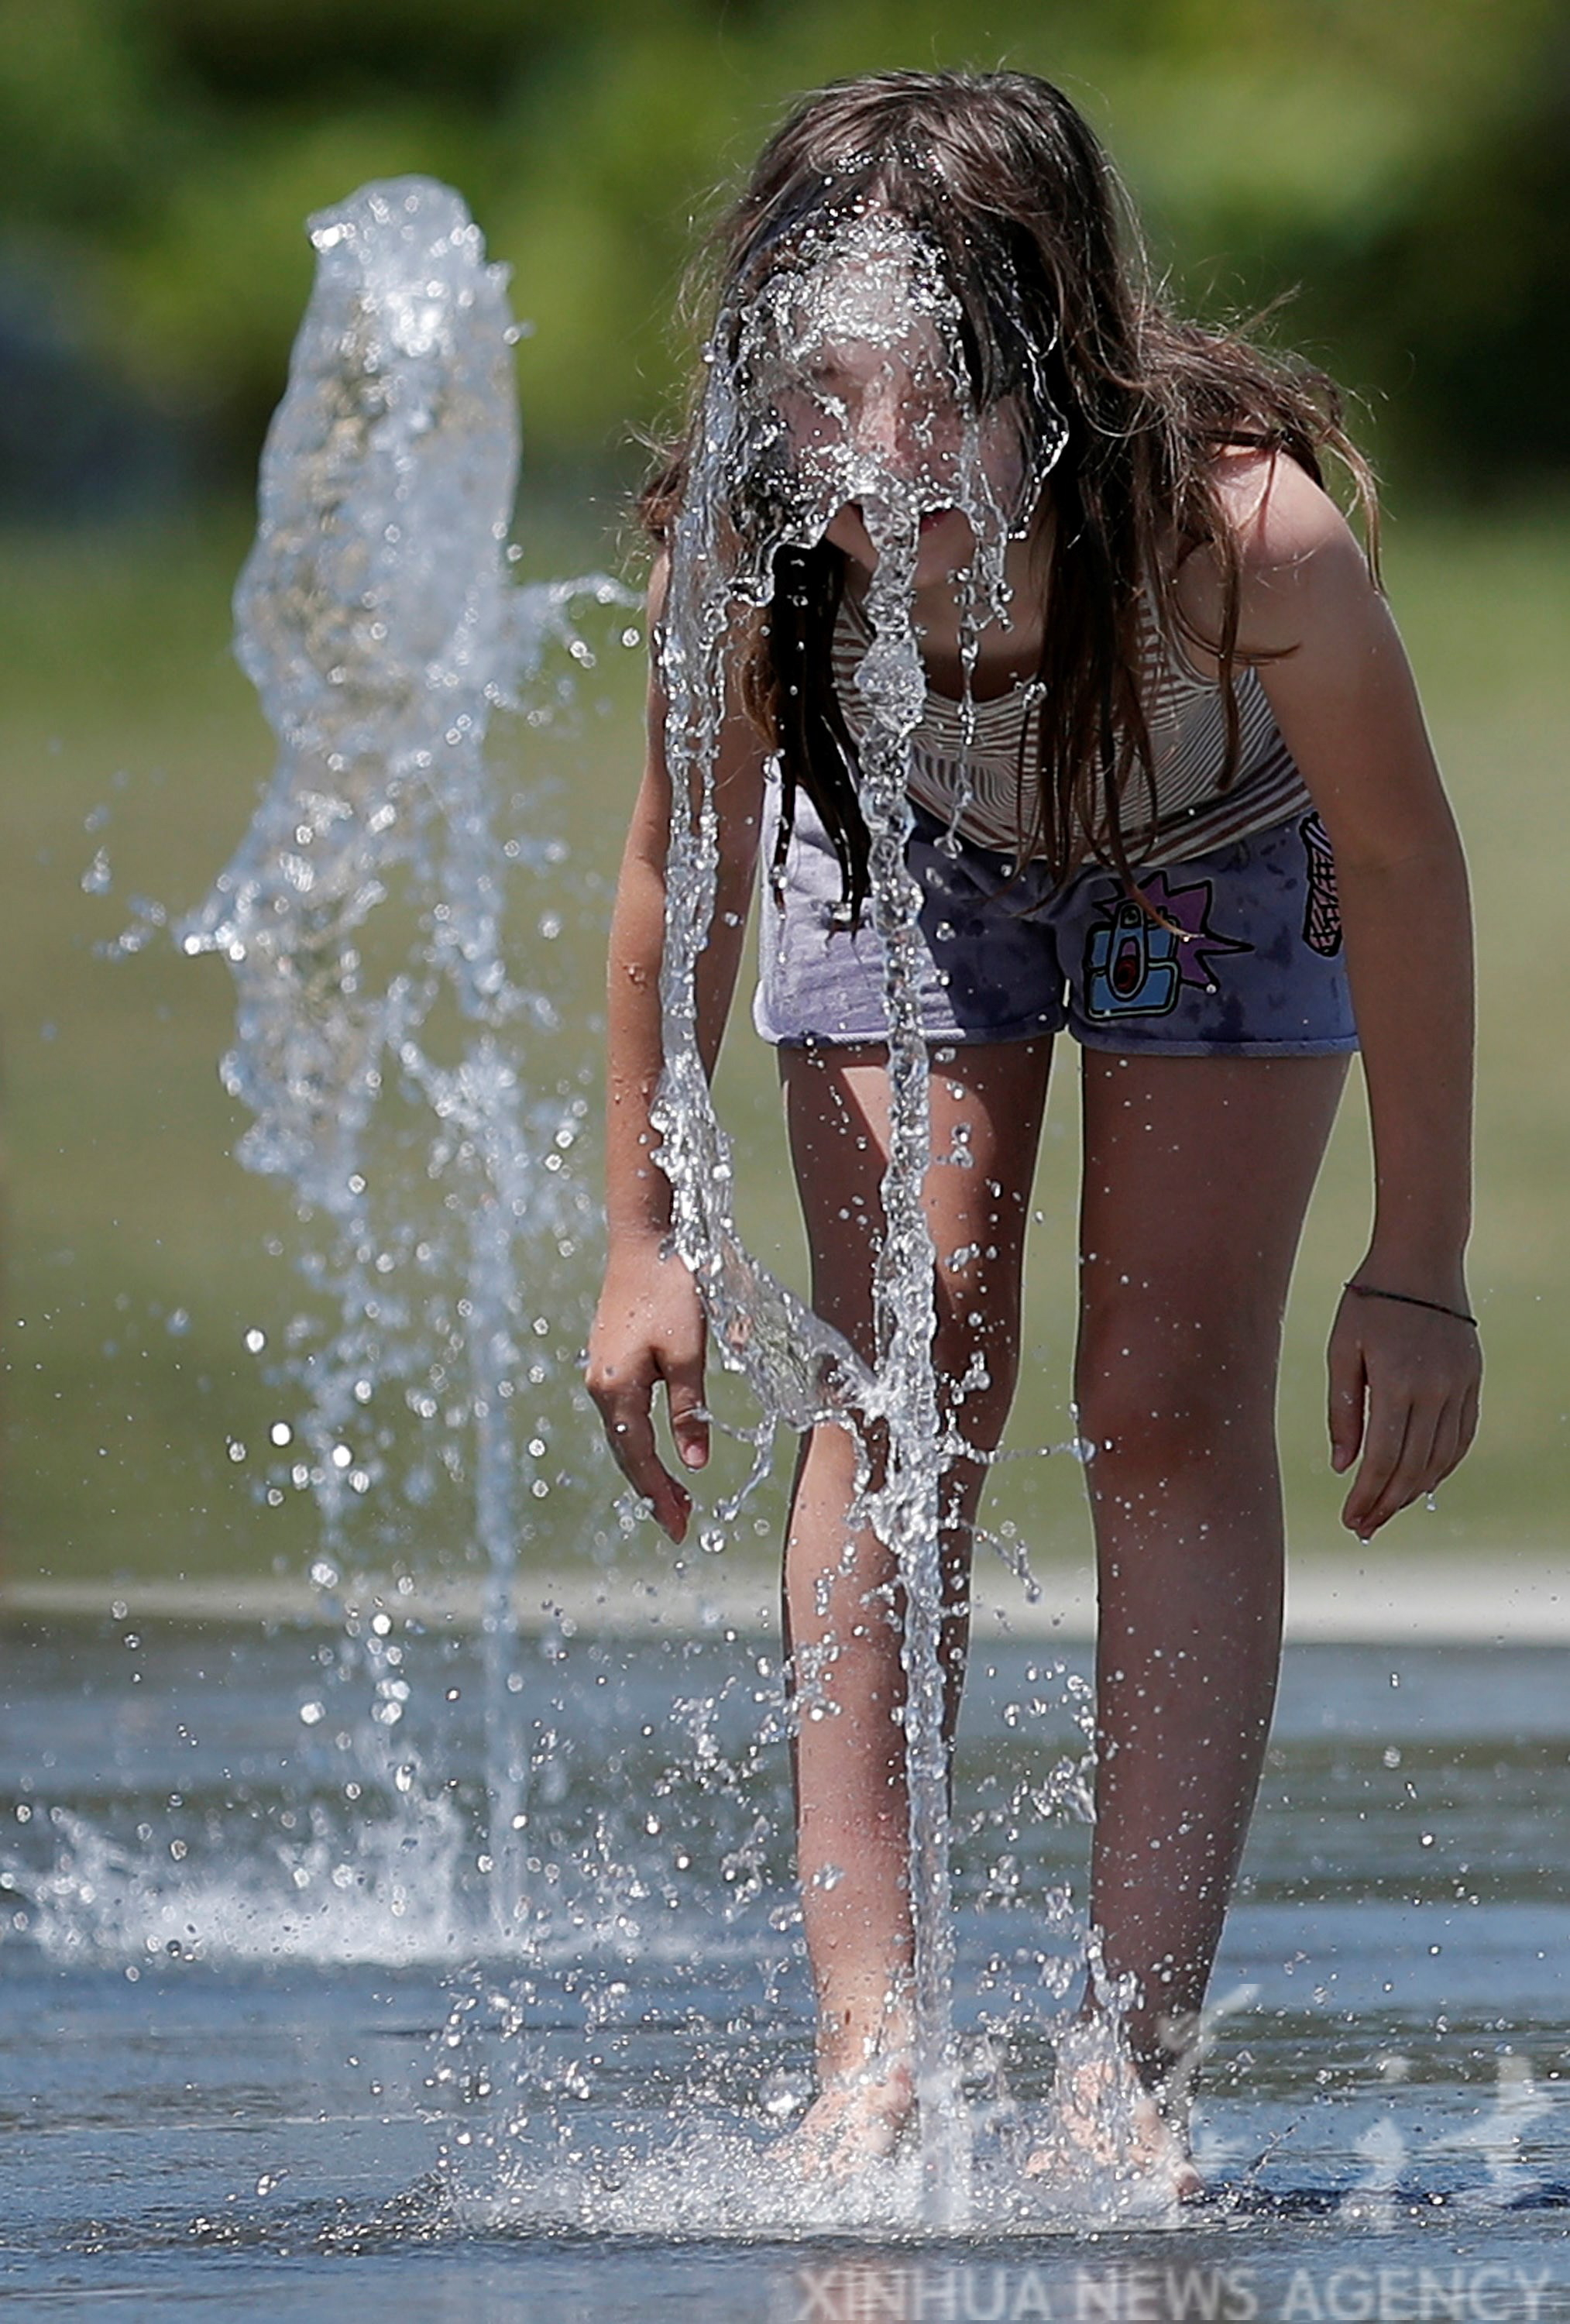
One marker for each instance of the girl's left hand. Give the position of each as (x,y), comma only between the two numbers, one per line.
(1404,1387)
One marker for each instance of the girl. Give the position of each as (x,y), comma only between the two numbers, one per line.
(1171,791)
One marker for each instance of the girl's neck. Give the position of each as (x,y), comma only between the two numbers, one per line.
(1007,654)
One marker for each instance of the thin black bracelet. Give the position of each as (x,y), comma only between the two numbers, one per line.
(1406,1299)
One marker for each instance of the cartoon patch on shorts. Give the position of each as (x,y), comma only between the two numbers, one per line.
(1135,967)
(1322,915)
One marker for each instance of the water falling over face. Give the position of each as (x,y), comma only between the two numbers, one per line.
(860,422)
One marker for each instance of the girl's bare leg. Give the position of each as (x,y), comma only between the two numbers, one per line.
(1197,1173)
(842,1610)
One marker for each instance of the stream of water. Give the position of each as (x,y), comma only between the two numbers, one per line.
(781,446)
(378,622)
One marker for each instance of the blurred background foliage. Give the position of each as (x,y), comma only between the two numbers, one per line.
(1406,162)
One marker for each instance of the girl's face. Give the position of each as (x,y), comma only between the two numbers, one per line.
(873,433)
(883,426)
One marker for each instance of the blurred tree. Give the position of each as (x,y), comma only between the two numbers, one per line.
(1408,163)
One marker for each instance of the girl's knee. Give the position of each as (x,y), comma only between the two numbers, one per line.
(1169,1399)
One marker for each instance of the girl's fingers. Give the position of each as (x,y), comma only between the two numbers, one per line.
(630,1430)
(1383,1448)
(689,1415)
(1417,1470)
(1450,1441)
(1348,1387)
(1432,1443)
(1419,1386)
(1469,1404)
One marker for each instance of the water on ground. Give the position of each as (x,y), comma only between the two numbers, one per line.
(273,2043)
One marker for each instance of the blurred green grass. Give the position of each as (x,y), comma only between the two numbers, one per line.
(124,1211)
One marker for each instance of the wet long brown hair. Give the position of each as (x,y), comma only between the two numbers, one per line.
(1004,180)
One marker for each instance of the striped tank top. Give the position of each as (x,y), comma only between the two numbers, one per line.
(966,761)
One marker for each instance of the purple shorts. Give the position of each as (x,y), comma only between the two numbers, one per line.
(1252,964)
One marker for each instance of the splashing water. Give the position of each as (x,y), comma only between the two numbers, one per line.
(784,444)
(378,623)
(1497,2139)
(378,619)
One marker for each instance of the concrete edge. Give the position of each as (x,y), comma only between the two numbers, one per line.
(1490,1600)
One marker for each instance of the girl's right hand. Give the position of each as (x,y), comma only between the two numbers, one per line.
(649,1326)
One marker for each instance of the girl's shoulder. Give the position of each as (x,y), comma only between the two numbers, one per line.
(1297,558)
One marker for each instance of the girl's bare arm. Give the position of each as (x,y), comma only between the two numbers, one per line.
(649,1324)
(1404,1381)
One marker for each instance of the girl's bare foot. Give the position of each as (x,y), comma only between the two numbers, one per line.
(1107,2127)
(857,2118)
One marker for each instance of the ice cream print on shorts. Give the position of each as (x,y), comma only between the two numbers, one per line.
(1136,966)
(1322,914)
